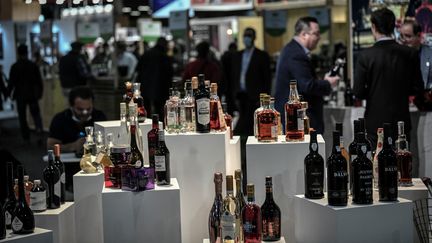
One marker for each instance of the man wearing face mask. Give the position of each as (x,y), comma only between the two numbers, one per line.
(68,127)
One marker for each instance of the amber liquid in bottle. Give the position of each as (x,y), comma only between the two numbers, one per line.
(404,157)
(267,123)
(294,115)
(252,221)
(216,211)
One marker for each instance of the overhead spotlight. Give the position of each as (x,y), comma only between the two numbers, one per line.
(66,12)
(42,1)
(89,9)
(41,18)
(135,13)
(81,11)
(126,9)
(99,9)
(108,8)
(73,11)
(229,31)
(59,1)
(143,8)
(96,1)
(76,1)
(110,1)
(28,1)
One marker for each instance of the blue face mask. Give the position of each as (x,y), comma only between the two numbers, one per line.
(247,41)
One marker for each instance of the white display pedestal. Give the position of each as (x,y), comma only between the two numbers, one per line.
(234,155)
(152,215)
(194,160)
(315,221)
(282,240)
(88,207)
(425,144)
(413,193)
(284,161)
(61,221)
(38,236)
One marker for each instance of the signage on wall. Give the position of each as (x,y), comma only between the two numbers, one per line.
(88,32)
(178,22)
(149,30)
(323,17)
(275,22)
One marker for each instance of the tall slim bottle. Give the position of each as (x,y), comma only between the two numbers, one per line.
(216,211)
(137,159)
(387,168)
(162,161)
(258,110)
(23,219)
(362,175)
(337,176)
(11,201)
(314,170)
(51,175)
(252,221)
(228,119)
(61,167)
(270,214)
(240,202)
(404,157)
(230,216)
(217,122)
(380,135)
(294,113)
(352,152)
(187,110)
(139,100)
(202,104)
(123,133)
(153,139)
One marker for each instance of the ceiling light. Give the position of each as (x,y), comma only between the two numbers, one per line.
(73,11)
(42,1)
(126,9)
(66,12)
(135,13)
(108,8)
(99,9)
(81,11)
(95,1)
(28,1)
(59,1)
(143,8)
(89,9)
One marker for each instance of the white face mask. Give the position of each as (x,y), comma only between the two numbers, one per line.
(77,119)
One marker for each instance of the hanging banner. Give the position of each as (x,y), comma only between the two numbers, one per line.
(275,22)
(149,30)
(323,17)
(88,32)
(178,23)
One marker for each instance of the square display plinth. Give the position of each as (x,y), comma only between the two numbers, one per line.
(61,221)
(38,236)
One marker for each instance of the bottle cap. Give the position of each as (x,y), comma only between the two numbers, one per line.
(218,177)
(268,181)
(304,104)
(57,149)
(213,87)
(26,177)
(128,85)
(194,82)
(293,82)
(238,174)
(250,189)
(339,128)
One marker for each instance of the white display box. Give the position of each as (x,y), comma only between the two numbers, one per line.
(284,161)
(38,236)
(316,221)
(282,240)
(234,155)
(61,221)
(88,207)
(152,215)
(416,192)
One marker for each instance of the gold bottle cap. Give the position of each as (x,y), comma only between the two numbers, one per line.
(194,82)
(57,149)
(128,85)
(238,174)
(304,105)
(213,87)
(250,189)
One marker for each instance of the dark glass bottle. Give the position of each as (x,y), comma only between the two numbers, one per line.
(314,170)
(337,176)
(2,223)
(367,141)
(216,211)
(51,175)
(362,175)
(252,222)
(152,139)
(11,201)
(139,100)
(352,152)
(404,157)
(202,104)
(271,215)
(162,161)
(387,168)
(349,94)
(61,167)
(23,219)
(137,159)
(240,202)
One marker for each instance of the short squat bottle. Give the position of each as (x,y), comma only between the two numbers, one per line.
(337,176)
(362,176)
(314,170)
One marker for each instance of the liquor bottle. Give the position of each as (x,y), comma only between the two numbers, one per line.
(61,168)
(100,144)
(240,202)
(270,215)
(162,161)
(349,94)
(337,176)
(172,114)
(110,143)
(153,139)
(230,215)
(251,216)
(89,144)
(202,104)
(215,124)
(258,110)
(380,135)
(314,170)
(23,219)
(194,82)
(128,96)
(216,211)
(51,175)
(139,100)
(367,141)
(2,223)
(187,110)
(344,152)
(306,120)
(137,159)
(362,175)
(404,157)
(28,185)
(267,123)
(352,152)
(38,197)
(228,119)
(278,116)
(11,200)
(123,133)
(294,125)
(387,168)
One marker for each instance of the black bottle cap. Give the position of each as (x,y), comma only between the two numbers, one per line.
(362,124)
(313,135)
(356,126)
(155,118)
(339,128)
(336,138)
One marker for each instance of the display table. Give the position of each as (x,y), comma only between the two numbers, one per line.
(282,240)
(88,207)
(152,215)
(234,155)
(413,193)
(61,221)
(315,221)
(38,236)
(284,161)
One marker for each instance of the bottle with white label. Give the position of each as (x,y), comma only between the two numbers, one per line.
(9,204)
(51,176)
(38,197)
(202,104)
(230,214)
(23,219)
(162,161)
(61,167)
(337,176)
(172,112)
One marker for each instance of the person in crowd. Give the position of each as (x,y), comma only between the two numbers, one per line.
(103,54)
(68,127)
(26,87)
(295,64)
(385,75)
(136,49)
(43,65)
(155,73)
(203,65)
(410,34)
(226,62)
(74,69)
(126,62)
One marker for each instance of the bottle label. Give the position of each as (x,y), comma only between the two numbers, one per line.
(8,217)
(390,140)
(38,201)
(182,114)
(300,115)
(249,227)
(363,149)
(271,227)
(353,157)
(160,163)
(228,226)
(171,118)
(138,164)
(369,155)
(17,224)
(57,189)
(274,131)
(203,111)
(314,147)
(63,178)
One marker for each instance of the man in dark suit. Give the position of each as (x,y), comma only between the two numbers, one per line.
(385,75)
(295,64)
(250,76)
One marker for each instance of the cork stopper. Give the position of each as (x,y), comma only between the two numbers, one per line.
(250,189)
(57,150)
(213,87)
(194,82)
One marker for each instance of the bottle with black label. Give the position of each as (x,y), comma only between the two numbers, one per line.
(202,106)
(61,167)
(314,170)
(337,176)
(162,161)
(387,168)
(362,175)
(11,201)
(23,219)
(38,197)
(51,175)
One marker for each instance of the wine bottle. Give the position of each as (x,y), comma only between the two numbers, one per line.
(137,159)
(367,141)
(217,121)
(229,216)
(216,211)
(11,201)
(187,110)
(314,170)
(344,152)
(139,100)
(38,197)
(362,175)
(252,222)
(61,168)
(240,203)
(202,104)
(2,223)
(152,138)
(23,219)
(387,168)
(270,215)
(28,185)
(352,152)
(404,157)
(51,175)
(294,124)
(337,176)
(162,161)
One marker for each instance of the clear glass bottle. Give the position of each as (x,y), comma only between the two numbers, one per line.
(89,144)
(278,115)
(270,214)
(294,113)
(258,110)
(267,122)
(387,168)
(404,157)
(187,110)
(128,96)
(123,133)
(306,120)
(173,113)
(110,143)
(314,170)
(137,159)
(240,202)
(230,215)
(139,100)
(216,211)
(380,135)
(252,221)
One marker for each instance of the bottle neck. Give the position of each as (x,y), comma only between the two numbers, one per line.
(21,195)
(10,182)
(402,143)
(155,125)
(133,135)
(251,197)
(218,190)
(388,142)
(336,146)
(269,193)
(266,105)
(313,146)
(238,188)
(293,95)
